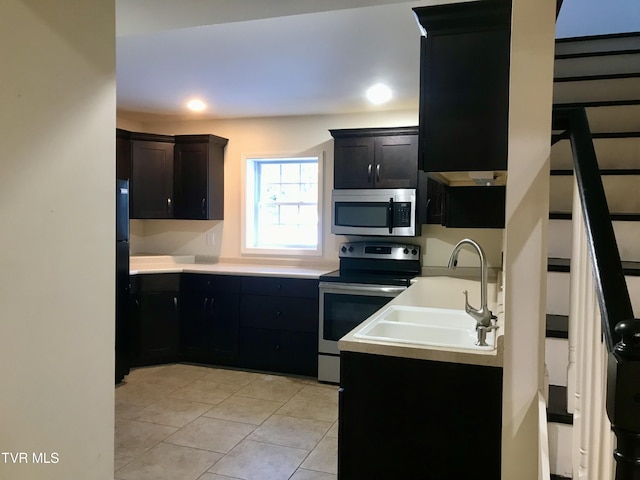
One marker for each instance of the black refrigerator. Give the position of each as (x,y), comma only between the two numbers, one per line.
(122,280)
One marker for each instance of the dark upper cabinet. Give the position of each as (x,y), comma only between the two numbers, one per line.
(375,158)
(123,154)
(464,86)
(179,177)
(199,177)
(151,182)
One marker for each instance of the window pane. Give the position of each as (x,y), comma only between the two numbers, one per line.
(269,172)
(286,208)
(291,172)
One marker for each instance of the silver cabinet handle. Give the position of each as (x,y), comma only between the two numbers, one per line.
(203,205)
(378,173)
(175,303)
(369,172)
(169,204)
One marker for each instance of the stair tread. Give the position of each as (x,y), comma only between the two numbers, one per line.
(604,171)
(557,326)
(557,406)
(564,265)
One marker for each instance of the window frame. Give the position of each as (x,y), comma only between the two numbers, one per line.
(248,193)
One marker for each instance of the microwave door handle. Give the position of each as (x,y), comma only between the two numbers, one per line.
(390,215)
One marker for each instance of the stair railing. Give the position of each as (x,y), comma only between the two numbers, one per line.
(608,352)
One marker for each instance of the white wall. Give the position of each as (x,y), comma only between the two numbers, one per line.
(284,135)
(57,238)
(525,253)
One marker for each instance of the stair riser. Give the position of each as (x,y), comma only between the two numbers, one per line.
(557,360)
(621,191)
(612,153)
(627,237)
(594,45)
(610,90)
(586,66)
(624,118)
(558,293)
(560,442)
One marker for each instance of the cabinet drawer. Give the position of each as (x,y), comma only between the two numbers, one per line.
(159,282)
(202,282)
(279,313)
(288,287)
(287,352)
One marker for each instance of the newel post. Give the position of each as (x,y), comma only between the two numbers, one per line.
(623,399)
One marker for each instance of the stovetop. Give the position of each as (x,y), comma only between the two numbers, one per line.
(378,263)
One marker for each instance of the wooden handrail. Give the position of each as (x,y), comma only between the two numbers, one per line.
(620,330)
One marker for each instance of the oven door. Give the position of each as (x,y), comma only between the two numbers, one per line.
(344,306)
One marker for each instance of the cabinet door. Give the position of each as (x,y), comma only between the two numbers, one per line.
(123,157)
(152,180)
(159,327)
(396,161)
(464,100)
(191,181)
(210,326)
(353,162)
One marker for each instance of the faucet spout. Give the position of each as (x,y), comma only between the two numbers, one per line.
(483,315)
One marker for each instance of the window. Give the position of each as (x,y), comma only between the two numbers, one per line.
(282,205)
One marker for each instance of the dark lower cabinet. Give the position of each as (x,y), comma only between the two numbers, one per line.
(209,318)
(418,419)
(279,325)
(263,323)
(156,329)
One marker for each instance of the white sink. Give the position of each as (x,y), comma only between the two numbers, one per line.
(439,327)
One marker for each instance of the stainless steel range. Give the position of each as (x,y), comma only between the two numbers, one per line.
(371,274)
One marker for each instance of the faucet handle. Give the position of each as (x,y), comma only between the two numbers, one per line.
(482,334)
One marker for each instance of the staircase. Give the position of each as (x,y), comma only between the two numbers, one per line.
(603,75)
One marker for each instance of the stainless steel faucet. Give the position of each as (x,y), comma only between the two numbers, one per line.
(483,315)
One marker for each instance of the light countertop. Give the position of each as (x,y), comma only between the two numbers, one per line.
(187,264)
(436,292)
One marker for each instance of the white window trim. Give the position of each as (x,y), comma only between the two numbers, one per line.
(247,198)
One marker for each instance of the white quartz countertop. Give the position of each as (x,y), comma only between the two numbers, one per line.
(178,264)
(436,292)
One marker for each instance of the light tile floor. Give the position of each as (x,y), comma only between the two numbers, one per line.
(188,422)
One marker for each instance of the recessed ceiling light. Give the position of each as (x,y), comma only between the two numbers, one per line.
(196,105)
(379,94)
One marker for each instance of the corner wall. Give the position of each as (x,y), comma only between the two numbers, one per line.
(57,279)
(527,212)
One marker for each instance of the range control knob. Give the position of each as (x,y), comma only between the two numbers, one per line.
(343,249)
(414,252)
(350,249)
(406,251)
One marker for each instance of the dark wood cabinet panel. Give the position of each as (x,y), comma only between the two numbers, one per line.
(151,188)
(464,86)
(375,158)
(280,313)
(157,321)
(123,155)
(279,351)
(179,177)
(279,324)
(353,162)
(210,318)
(396,161)
(444,436)
(199,177)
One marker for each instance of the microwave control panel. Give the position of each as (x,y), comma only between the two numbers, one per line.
(402,214)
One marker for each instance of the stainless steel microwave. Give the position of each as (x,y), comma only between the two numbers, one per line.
(380,212)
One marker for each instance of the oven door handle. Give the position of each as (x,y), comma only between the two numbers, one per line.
(346,289)
(390,215)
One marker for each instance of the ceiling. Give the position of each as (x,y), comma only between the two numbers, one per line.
(252,58)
